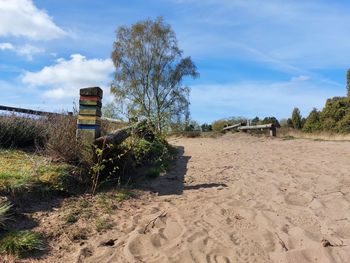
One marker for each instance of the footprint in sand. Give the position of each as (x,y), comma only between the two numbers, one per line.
(298,199)
(160,236)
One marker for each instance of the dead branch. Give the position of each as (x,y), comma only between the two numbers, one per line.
(153,221)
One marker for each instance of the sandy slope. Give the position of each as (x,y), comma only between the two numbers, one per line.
(239,199)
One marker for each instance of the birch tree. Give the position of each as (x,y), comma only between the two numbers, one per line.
(150,69)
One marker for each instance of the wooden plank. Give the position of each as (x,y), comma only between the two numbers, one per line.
(232,126)
(273,131)
(95,98)
(90,103)
(92,91)
(29,111)
(89,122)
(255,127)
(87,117)
(93,112)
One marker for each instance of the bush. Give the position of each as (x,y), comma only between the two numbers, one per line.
(334,118)
(312,123)
(20,243)
(55,135)
(206,127)
(19,131)
(191,134)
(218,125)
(149,152)
(268,120)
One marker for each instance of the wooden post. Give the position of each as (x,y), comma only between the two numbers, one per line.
(89,119)
(273,131)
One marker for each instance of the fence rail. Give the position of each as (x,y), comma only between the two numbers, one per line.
(29,111)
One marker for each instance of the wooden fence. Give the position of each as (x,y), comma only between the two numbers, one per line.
(29,111)
(247,127)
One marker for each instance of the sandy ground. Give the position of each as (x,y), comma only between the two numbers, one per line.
(238,198)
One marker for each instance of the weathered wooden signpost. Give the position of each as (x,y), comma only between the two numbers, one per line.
(89,119)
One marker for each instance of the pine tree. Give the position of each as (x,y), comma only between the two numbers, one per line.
(296,119)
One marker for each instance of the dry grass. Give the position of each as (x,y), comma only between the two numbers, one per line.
(321,136)
(21,131)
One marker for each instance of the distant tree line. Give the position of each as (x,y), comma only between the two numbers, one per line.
(334,117)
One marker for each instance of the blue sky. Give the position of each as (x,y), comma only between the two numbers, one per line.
(255,58)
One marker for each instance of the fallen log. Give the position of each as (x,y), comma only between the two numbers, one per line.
(118,136)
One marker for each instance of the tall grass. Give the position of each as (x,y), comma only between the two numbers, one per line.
(4,213)
(323,136)
(61,140)
(21,131)
(55,136)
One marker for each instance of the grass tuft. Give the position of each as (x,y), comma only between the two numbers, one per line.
(153,172)
(20,243)
(124,194)
(4,213)
(103,224)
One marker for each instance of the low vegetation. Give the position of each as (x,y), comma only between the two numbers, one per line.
(218,125)
(17,131)
(4,213)
(334,118)
(20,243)
(24,172)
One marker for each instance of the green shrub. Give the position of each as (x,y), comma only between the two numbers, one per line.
(334,118)
(312,123)
(343,126)
(20,243)
(218,125)
(149,152)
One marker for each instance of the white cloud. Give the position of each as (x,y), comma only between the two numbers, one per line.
(63,79)
(26,50)
(6,46)
(300,78)
(23,18)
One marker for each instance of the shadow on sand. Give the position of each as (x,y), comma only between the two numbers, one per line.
(173,182)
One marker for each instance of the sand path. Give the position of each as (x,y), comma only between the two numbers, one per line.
(239,198)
